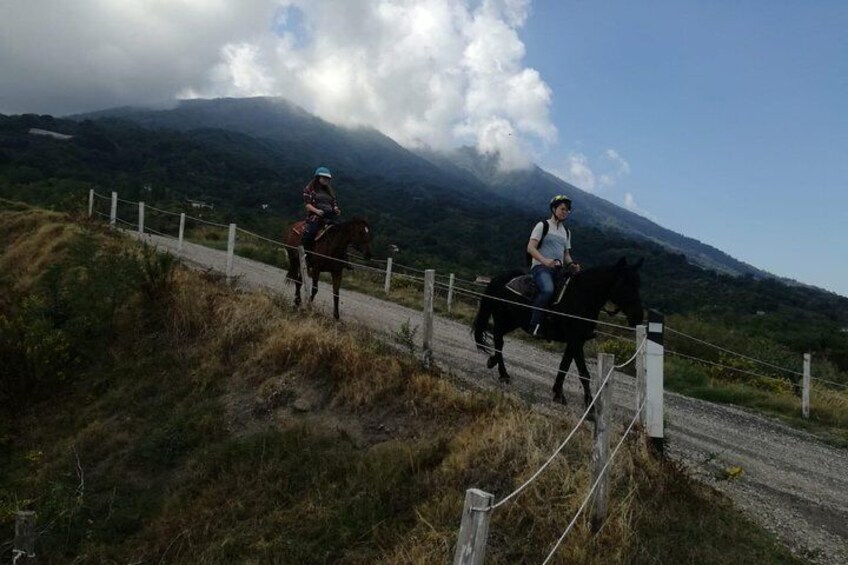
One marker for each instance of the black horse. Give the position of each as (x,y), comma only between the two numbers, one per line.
(587,293)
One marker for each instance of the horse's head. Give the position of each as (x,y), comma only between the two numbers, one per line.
(625,291)
(360,236)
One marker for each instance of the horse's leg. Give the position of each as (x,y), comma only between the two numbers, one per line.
(564,364)
(498,339)
(337,283)
(315,274)
(585,376)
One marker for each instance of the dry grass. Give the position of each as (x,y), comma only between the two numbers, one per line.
(33,240)
(156,434)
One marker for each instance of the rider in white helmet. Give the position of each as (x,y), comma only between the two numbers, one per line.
(554,252)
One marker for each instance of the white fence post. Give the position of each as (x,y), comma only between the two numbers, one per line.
(429,289)
(450,292)
(641,335)
(388,284)
(24,544)
(805,394)
(304,270)
(474,530)
(113,214)
(141,218)
(90,202)
(231,249)
(601,450)
(654,379)
(182,231)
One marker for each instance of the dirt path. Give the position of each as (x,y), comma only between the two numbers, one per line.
(792,484)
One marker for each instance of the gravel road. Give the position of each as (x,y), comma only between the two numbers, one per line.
(792,484)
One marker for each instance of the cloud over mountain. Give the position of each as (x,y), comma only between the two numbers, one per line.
(435,73)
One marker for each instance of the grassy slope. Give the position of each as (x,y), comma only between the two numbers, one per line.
(208,425)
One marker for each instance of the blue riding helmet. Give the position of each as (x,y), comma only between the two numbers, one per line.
(323,172)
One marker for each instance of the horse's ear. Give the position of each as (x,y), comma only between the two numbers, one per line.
(638,263)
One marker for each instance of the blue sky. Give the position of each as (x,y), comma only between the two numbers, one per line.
(724,121)
(732,117)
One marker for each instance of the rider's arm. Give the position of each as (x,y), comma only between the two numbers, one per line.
(314,210)
(569,263)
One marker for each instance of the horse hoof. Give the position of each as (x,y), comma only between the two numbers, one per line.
(559,398)
(490,364)
(505,379)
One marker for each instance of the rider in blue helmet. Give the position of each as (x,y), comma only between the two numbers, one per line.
(550,249)
(321,205)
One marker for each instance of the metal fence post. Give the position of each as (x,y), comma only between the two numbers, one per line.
(231,249)
(654,379)
(429,289)
(388,284)
(601,448)
(474,530)
(141,218)
(805,394)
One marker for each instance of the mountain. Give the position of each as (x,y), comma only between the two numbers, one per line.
(305,138)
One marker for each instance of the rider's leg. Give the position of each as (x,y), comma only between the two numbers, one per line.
(309,233)
(544,280)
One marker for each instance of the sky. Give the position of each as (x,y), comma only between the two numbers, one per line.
(723,121)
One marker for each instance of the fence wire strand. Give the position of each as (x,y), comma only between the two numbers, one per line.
(595,484)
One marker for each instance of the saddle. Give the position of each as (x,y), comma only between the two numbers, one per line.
(524,286)
(300,226)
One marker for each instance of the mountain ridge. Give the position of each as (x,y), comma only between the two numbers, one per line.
(370,152)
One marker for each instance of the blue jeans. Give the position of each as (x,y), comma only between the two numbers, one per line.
(544,278)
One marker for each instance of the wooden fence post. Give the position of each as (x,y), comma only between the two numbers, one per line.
(388,284)
(805,394)
(113,214)
(450,292)
(182,232)
(474,530)
(90,202)
(231,249)
(24,545)
(304,271)
(654,379)
(429,289)
(601,450)
(641,335)
(141,218)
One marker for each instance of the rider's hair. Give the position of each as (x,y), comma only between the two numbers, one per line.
(315,185)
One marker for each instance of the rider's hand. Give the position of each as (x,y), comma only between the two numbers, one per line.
(574,267)
(321,213)
(551,263)
(337,210)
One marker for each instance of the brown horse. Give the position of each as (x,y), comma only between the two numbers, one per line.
(328,256)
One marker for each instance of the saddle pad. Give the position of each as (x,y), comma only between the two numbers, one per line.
(300,226)
(524,286)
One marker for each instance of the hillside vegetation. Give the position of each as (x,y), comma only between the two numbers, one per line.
(152,414)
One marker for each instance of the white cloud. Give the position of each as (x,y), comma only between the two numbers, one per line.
(612,168)
(426,72)
(579,173)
